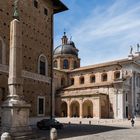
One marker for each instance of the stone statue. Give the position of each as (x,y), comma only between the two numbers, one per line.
(138,46)
(16,14)
(131,49)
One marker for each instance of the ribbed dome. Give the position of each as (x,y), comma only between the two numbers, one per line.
(68,48)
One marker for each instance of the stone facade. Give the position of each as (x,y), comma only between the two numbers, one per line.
(106,90)
(37,44)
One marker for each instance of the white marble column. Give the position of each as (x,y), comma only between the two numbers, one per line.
(68,108)
(81,108)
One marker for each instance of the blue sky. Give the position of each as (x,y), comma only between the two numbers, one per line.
(102,30)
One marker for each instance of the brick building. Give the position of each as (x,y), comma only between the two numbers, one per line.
(106,90)
(37,47)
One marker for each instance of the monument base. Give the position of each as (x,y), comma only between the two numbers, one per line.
(15,116)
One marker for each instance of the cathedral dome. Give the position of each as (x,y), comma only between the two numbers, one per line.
(66,47)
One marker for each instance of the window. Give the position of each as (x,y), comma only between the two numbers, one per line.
(41,106)
(55,64)
(65,64)
(82,80)
(92,79)
(75,65)
(45,11)
(117,75)
(35,4)
(104,77)
(72,81)
(42,65)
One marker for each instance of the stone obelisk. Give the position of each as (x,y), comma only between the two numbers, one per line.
(15,111)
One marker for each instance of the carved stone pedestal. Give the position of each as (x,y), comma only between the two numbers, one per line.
(15,116)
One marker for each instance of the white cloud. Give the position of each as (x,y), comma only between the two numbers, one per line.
(106,30)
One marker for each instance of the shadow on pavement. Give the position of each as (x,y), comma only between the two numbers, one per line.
(75,130)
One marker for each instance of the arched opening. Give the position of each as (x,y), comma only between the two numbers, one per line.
(74,109)
(116,75)
(65,64)
(82,80)
(92,79)
(64,109)
(42,65)
(72,81)
(104,77)
(55,65)
(87,109)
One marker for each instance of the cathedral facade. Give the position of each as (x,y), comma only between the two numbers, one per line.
(106,90)
(37,50)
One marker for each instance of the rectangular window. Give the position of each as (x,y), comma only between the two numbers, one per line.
(41,106)
(45,11)
(35,4)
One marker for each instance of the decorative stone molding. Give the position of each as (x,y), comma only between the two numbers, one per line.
(35,76)
(4,68)
(27,74)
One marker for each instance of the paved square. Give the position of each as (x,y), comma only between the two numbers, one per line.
(114,131)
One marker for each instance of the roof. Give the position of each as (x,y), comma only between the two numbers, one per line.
(116,62)
(58,6)
(66,49)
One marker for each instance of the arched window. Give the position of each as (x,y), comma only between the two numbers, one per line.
(42,65)
(75,65)
(116,75)
(72,81)
(82,80)
(65,64)
(62,82)
(104,77)
(92,79)
(55,64)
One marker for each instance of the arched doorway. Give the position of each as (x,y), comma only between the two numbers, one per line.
(87,109)
(64,109)
(74,109)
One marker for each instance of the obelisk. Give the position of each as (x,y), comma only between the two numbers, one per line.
(15,111)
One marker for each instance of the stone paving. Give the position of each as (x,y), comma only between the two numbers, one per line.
(121,130)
